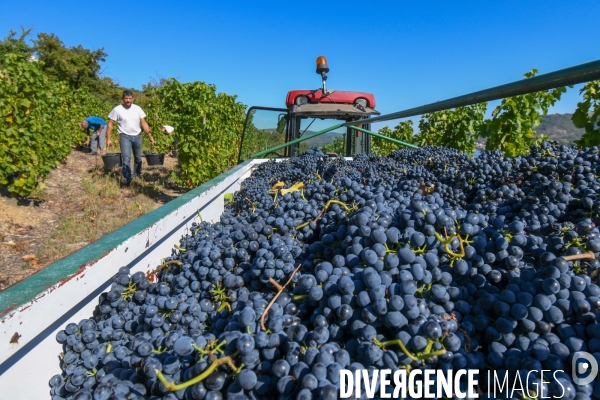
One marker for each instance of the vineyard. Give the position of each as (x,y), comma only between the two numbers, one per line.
(41,114)
(405,260)
(35,111)
(41,103)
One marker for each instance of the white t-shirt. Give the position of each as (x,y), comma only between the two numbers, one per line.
(128,119)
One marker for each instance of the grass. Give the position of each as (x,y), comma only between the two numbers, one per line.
(102,186)
(39,194)
(20,247)
(80,204)
(105,206)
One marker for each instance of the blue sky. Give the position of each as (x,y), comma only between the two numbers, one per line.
(406,53)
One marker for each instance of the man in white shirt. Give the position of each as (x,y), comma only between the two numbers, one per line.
(129,117)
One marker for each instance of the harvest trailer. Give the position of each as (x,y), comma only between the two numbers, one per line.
(35,309)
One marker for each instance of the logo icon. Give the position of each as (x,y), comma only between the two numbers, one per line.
(580,367)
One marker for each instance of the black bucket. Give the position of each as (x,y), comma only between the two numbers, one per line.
(155,158)
(86,149)
(111,160)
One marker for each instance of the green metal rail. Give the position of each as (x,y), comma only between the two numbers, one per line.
(302,139)
(379,135)
(312,135)
(563,77)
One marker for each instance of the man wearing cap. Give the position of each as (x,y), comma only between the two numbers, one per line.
(96,129)
(129,117)
(169,130)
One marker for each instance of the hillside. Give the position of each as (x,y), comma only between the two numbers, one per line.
(559,127)
(323,139)
(318,141)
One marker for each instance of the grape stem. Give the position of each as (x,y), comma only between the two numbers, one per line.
(218,294)
(200,217)
(275,283)
(333,177)
(446,243)
(577,243)
(432,354)
(130,289)
(224,305)
(399,343)
(420,250)
(548,153)
(160,350)
(163,265)
(420,357)
(302,195)
(251,204)
(211,348)
(172,387)
(584,256)
(330,202)
(262,318)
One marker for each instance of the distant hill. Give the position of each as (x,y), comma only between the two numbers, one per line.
(323,139)
(559,127)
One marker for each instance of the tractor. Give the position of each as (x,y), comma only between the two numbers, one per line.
(266,127)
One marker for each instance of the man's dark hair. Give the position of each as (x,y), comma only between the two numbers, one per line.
(127,93)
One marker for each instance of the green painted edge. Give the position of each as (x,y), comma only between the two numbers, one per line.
(389,139)
(29,288)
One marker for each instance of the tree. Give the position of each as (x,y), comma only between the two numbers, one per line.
(76,66)
(513,123)
(13,44)
(587,115)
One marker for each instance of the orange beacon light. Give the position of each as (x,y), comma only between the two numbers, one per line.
(322,66)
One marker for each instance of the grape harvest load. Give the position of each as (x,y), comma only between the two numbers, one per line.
(423,259)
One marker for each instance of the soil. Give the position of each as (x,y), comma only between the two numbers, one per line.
(80,203)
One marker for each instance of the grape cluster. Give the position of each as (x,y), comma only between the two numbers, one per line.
(425,259)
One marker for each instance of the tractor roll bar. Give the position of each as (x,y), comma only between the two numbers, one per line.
(246,123)
(301,139)
(312,135)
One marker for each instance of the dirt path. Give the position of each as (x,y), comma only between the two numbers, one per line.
(80,204)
